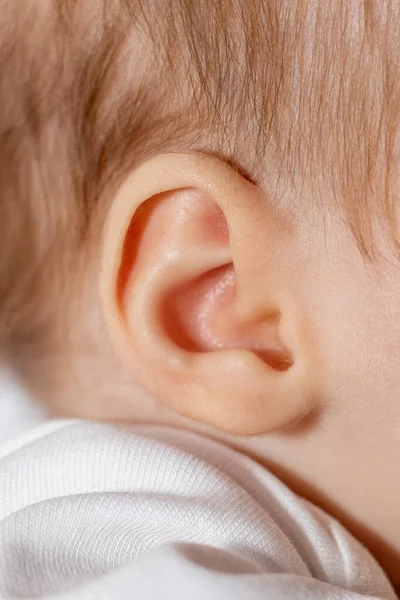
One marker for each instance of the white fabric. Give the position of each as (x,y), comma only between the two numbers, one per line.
(18,411)
(92,511)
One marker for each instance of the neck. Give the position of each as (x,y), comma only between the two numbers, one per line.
(357,491)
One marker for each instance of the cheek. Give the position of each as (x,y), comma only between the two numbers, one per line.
(359,330)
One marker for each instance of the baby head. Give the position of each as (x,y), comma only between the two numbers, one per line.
(199,218)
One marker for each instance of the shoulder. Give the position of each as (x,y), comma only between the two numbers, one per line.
(92,504)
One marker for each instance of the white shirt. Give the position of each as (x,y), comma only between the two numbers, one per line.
(94,511)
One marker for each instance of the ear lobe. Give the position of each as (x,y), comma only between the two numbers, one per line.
(188,301)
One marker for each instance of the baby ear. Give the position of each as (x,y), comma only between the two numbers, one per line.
(196,299)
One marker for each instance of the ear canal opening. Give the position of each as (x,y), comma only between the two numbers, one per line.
(279,360)
(184,321)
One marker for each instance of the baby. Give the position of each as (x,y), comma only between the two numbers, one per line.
(199,237)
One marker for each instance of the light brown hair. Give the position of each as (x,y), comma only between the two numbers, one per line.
(302,93)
